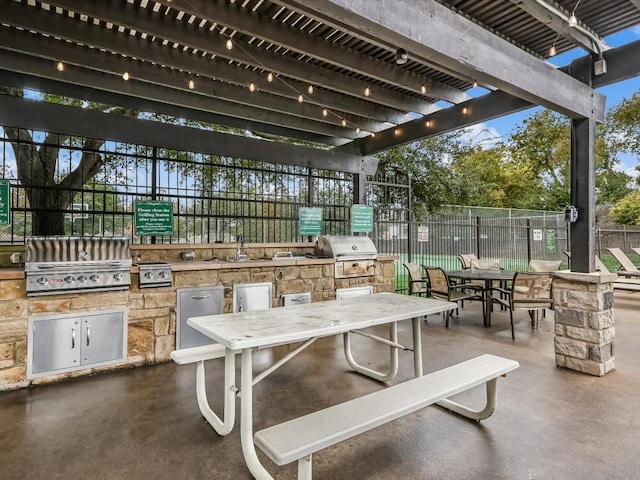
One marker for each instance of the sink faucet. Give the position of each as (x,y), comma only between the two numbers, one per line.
(239,245)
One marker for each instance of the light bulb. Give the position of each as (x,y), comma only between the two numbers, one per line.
(373,134)
(252,87)
(125,76)
(192,84)
(464,110)
(367,92)
(310,89)
(300,98)
(396,132)
(428,123)
(60,66)
(357,129)
(229,44)
(423,89)
(270,77)
(552,51)
(573,21)
(344,122)
(475,84)
(324,112)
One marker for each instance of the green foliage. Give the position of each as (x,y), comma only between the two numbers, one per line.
(627,210)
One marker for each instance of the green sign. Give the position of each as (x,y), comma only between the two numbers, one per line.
(310,220)
(153,218)
(551,241)
(5,202)
(361,218)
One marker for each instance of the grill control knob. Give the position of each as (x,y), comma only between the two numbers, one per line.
(148,275)
(69,279)
(82,278)
(163,275)
(42,281)
(94,278)
(117,276)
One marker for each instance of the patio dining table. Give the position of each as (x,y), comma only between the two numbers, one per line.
(488,277)
(242,332)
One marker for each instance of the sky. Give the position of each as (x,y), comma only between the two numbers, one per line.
(502,127)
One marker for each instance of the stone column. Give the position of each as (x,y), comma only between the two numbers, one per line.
(584,326)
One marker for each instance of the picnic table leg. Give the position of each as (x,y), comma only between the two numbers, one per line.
(417,347)
(487,303)
(393,357)
(478,415)
(246,418)
(225,425)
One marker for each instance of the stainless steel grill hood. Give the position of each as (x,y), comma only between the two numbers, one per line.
(346,247)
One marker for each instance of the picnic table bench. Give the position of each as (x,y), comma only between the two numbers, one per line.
(301,437)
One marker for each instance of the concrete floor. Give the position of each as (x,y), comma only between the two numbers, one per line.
(144,423)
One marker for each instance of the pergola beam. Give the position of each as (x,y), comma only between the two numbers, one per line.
(191,36)
(458,44)
(22,113)
(560,25)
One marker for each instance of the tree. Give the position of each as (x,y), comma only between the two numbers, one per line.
(49,191)
(627,210)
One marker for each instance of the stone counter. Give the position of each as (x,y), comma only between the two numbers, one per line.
(152,311)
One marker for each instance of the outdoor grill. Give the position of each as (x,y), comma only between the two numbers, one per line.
(355,255)
(56,265)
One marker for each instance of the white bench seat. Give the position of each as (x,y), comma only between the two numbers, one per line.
(627,284)
(297,439)
(201,353)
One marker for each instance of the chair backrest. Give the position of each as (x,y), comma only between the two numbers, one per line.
(342,293)
(601,267)
(438,280)
(623,260)
(416,285)
(252,296)
(485,264)
(466,258)
(544,265)
(532,290)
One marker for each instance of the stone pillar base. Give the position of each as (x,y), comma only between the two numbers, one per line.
(584,325)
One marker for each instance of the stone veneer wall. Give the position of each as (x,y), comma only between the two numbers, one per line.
(152,311)
(584,322)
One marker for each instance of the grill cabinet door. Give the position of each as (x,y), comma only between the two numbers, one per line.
(252,296)
(56,344)
(196,302)
(102,338)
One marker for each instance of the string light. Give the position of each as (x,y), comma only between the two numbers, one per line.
(270,77)
(125,76)
(428,123)
(475,84)
(396,132)
(324,112)
(573,21)
(310,89)
(300,98)
(60,66)
(357,129)
(423,89)
(252,87)
(192,84)
(229,44)
(552,50)
(367,92)
(373,134)
(464,110)
(344,122)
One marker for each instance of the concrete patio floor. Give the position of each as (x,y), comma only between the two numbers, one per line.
(144,423)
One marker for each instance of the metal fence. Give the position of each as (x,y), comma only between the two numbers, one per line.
(214,198)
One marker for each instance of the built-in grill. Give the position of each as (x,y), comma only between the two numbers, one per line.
(154,274)
(55,265)
(355,255)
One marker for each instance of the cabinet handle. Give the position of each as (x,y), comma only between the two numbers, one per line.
(88,334)
(200,297)
(73,338)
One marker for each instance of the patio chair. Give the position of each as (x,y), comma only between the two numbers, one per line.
(544,265)
(466,259)
(485,264)
(417,284)
(627,267)
(529,291)
(441,287)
